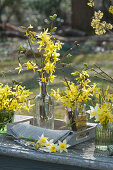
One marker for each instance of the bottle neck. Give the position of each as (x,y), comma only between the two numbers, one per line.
(43,88)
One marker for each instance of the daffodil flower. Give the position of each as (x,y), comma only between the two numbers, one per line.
(38,144)
(63,146)
(49,143)
(53,148)
(43,139)
(94,112)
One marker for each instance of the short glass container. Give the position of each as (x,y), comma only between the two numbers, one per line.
(103,136)
(6,116)
(81,121)
(44,106)
(75,119)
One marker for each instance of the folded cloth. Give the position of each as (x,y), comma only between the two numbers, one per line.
(110,150)
(26,130)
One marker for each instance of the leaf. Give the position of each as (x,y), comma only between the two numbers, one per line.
(23,27)
(54,29)
(21,48)
(86,65)
(52,18)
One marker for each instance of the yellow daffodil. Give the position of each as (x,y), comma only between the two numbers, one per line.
(63,146)
(49,143)
(43,144)
(42,139)
(94,112)
(53,148)
(38,144)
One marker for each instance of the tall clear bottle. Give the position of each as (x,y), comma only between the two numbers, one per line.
(44,106)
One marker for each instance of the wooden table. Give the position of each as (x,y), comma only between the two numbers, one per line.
(81,157)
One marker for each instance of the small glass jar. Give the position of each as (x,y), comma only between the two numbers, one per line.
(76,119)
(6,116)
(44,106)
(81,121)
(103,136)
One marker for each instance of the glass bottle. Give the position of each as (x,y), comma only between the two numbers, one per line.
(103,136)
(44,106)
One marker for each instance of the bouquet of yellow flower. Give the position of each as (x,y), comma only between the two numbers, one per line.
(48,48)
(103,114)
(12,99)
(103,109)
(45,65)
(75,95)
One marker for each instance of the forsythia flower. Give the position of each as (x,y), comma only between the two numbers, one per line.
(30,34)
(51,77)
(44,79)
(49,67)
(14,98)
(48,47)
(31,65)
(100,27)
(30,26)
(105,115)
(20,68)
(91,3)
(111,9)
(75,95)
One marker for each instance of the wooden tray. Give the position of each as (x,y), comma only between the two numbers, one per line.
(78,137)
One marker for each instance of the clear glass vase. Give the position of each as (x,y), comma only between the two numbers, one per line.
(75,119)
(81,121)
(44,107)
(103,136)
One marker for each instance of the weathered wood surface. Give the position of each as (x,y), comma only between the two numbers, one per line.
(82,155)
